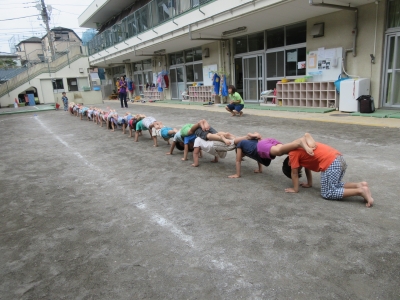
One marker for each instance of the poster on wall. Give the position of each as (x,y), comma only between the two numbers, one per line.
(324,64)
(208,74)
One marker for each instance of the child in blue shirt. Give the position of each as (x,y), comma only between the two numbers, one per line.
(65,101)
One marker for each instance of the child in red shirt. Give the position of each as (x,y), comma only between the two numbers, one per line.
(332,166)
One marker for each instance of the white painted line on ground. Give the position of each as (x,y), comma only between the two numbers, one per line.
(153,216)
(86,162)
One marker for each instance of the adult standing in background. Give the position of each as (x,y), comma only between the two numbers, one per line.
(123,86)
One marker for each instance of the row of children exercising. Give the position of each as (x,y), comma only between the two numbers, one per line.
(303,152)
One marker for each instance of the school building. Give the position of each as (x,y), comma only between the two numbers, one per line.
(254,43)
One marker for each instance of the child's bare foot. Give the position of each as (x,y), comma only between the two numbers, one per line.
(234,176)
(310,141)
(254,136)
(183,159)
(112,130)
(193,165)
(229,136)
(304,145)
(215,160)
(257,171)
(240,114)
(168,153)
(227,142)
(233,115)
(366,194)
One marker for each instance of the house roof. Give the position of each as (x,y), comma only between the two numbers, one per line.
(6,54)
(33,39)
(55,29)
(7,74)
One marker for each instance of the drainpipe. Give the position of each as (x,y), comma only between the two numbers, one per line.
(355,30)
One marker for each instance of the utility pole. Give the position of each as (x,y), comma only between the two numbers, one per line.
(46,18)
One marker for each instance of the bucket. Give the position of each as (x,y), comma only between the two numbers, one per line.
(57,106)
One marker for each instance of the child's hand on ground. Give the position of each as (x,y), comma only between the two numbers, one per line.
(290,190)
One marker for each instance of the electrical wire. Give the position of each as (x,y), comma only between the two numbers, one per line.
(18,18)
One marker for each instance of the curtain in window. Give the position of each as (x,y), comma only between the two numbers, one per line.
(394,14)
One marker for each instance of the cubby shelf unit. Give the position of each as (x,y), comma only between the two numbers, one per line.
(201,93)
(153,94)
(307,94)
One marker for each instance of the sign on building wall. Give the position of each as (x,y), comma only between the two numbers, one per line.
(208,74)
(325,64)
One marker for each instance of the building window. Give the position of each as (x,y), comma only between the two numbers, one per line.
(287,35)
(296,33)
(394,13)
(256,41)
(176,58)
(58,84)
(294,56)
(72,84)
(276,38)
(240,45)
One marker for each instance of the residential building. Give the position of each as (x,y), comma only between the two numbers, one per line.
(63,39)
(256,43)
(30,49)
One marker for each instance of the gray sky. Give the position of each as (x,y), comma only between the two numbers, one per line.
(64,14)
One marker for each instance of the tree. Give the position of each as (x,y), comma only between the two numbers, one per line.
(7,63)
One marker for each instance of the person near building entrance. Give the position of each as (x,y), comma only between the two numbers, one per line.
(122,92)
(65,100)
(236,105)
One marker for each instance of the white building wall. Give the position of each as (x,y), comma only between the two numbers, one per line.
(338,33)
(46,95)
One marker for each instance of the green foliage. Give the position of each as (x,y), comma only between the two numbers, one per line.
(7,63)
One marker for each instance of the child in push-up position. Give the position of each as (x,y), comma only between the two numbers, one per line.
(183,144)
(215,148)
(203,130)
(332,166)
(146,124)
(265,150)
(132,123)
(166,133)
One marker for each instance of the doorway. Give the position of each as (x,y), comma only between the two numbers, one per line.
(391,92)
(253,74)
(177,77)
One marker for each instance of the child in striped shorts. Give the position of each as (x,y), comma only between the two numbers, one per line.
(332,166)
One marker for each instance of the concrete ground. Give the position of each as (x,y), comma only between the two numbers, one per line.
(86,213)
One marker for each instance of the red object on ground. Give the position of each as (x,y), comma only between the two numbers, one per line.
(57,106)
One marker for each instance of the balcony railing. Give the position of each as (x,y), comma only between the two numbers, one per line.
(145,18)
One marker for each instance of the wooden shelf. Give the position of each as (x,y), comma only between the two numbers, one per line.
(201,93)
(307,94)
(153,94)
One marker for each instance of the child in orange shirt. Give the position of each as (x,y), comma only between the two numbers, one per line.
(332,166)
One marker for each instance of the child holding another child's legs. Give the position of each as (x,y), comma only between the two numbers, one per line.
(265,150)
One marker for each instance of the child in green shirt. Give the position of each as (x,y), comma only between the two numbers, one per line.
(237,103)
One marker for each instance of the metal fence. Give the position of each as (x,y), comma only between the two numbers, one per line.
(145,18)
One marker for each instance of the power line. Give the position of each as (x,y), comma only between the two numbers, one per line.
(18,18)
